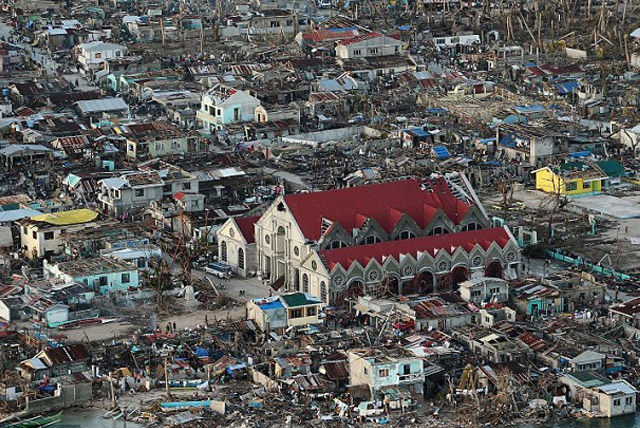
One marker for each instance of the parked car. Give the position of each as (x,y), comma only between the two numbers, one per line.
(221,270)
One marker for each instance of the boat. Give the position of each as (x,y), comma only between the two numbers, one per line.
(36,421)
(181,405)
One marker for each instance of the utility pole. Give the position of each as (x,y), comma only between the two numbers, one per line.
(162,29)
(166,377)
(202,38)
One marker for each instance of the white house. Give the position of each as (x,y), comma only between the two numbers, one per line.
(487,290)
(451,41)
(92,54)
(222,105)
(368,45)
(612,399)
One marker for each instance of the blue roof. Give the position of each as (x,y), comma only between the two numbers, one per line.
(13,215)
(441,152)
(487,140)
(418,132)
(567,87)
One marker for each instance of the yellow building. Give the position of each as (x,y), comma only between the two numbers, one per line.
(571,179)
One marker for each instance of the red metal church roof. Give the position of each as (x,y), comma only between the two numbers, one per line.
(385,203)
(426,244)
(245,224)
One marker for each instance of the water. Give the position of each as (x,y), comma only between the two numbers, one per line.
(91,418)
(629,421)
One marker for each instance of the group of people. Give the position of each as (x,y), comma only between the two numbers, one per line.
(171,328)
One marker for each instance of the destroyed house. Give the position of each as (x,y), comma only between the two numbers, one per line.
(16,156)
(371,68)
(556,294)
(368,45)
(285,367)
(42,235)
(484,290)
(535,145)
(55,362)
(223,106)
(74,146)
(102,274)
(489,375)
(443,312)
(26,93)
(493,346)
(386,367)
(336,367)
(154,139)
(627,312)
(130,192)
(95,110)
(275,21)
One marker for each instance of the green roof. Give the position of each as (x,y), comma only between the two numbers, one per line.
(588,379)
(299,299)
(611,168)
(568,166)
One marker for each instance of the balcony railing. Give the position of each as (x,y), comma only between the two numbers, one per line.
(412,377)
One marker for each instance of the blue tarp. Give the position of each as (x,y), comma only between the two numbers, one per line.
(437,110)
(508,140)
(201,352)
(404,27)
(581,154)
(441,152)
(529,109)
(487,140)
(277,304)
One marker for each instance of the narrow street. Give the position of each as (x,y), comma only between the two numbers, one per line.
(44,59)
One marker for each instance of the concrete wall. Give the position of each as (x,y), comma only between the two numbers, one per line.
(576,53)
(360,370)
(340,134)
(69,395)
(263,380)
(306,317)
(38,246)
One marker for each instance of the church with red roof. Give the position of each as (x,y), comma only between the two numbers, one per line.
(399,237)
